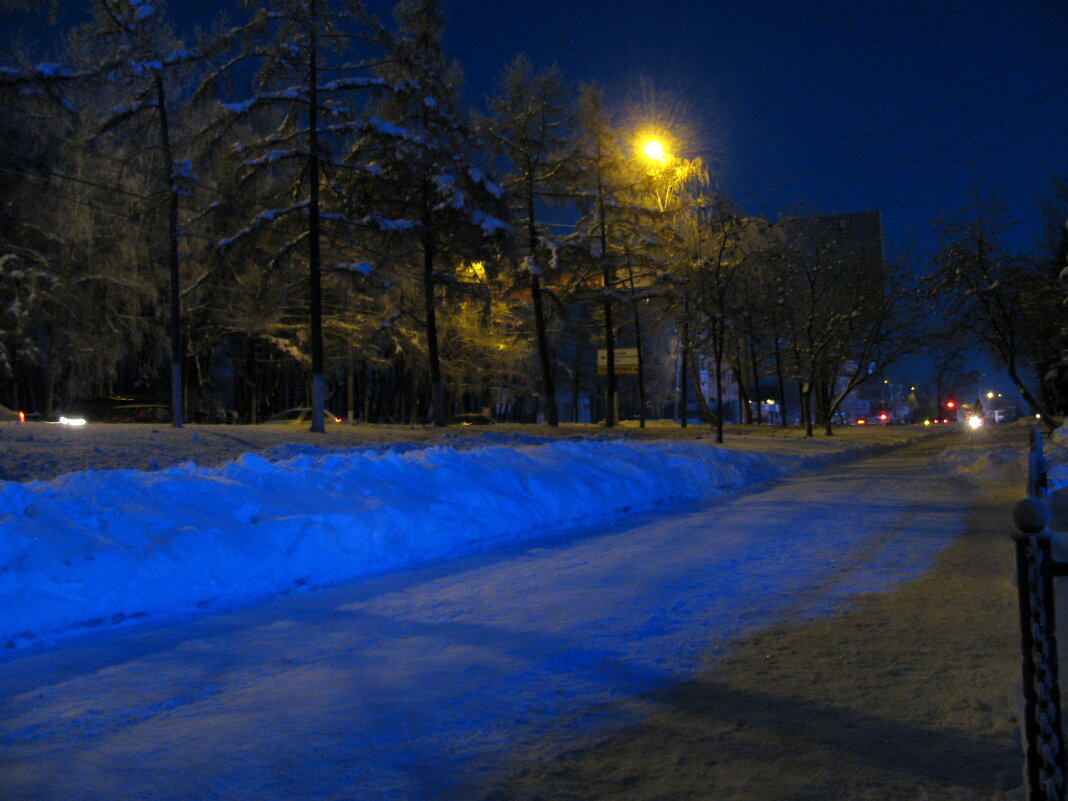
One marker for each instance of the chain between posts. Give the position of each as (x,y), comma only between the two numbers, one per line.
(1035,571)
(1042,725)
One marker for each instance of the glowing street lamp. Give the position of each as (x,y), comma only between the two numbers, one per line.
(666,171)
(653,150)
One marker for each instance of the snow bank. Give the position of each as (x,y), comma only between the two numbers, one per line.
(1005,463)
(101,547)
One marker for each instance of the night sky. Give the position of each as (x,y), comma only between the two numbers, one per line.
(834,107)
(837,106)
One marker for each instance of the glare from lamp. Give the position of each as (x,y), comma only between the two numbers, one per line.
(653,149)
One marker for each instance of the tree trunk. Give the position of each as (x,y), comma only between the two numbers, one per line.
(702,401)
(718,353)
(805,391)
(1050,420)
(548,382)
(641,367)
(368,376)
(177,393)
(756,381)
(611,403)
(318,424)
(350,388)
(743,395)
(782,383)
(437,386)
(684,412)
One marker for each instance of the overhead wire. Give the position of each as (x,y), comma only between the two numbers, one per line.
(106,206)
(51,173)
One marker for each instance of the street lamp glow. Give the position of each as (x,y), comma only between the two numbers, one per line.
(653,149)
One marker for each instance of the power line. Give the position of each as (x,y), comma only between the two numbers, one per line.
(73,178)
(103,206)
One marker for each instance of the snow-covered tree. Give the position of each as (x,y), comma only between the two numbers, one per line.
(438,208)
(87,210)
(598,183)
(288,130)
(136,62)
(531,127)
(20,281)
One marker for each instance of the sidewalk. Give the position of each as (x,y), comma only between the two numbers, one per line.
(907,696)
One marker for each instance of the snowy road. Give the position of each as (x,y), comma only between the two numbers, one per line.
(426,684)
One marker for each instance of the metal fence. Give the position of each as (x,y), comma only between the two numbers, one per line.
(1036,569)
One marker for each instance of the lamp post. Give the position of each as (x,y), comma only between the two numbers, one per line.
(653,150)
(668,173)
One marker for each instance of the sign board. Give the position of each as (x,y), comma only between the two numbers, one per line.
(626,361)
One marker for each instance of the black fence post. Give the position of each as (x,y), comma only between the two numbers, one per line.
(1043,734)
(1037,477)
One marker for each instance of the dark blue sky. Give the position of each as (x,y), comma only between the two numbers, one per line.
(844,106)
(833,106)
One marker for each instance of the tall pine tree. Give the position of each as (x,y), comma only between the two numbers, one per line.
(443,208)
(532,128)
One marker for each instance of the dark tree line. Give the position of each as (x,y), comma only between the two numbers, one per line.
(298,209)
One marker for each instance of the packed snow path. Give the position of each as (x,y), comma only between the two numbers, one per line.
(425,684)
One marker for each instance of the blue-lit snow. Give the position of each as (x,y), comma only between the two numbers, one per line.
(93,547)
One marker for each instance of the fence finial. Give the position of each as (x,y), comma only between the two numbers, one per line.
(1031,516)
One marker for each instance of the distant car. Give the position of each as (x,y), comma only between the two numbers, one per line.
(473,419)
(301,415)
(137,413)
(880,419)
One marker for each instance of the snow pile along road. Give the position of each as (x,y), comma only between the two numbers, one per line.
(98,548)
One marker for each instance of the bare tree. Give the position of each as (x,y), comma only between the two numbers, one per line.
(1000,299)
